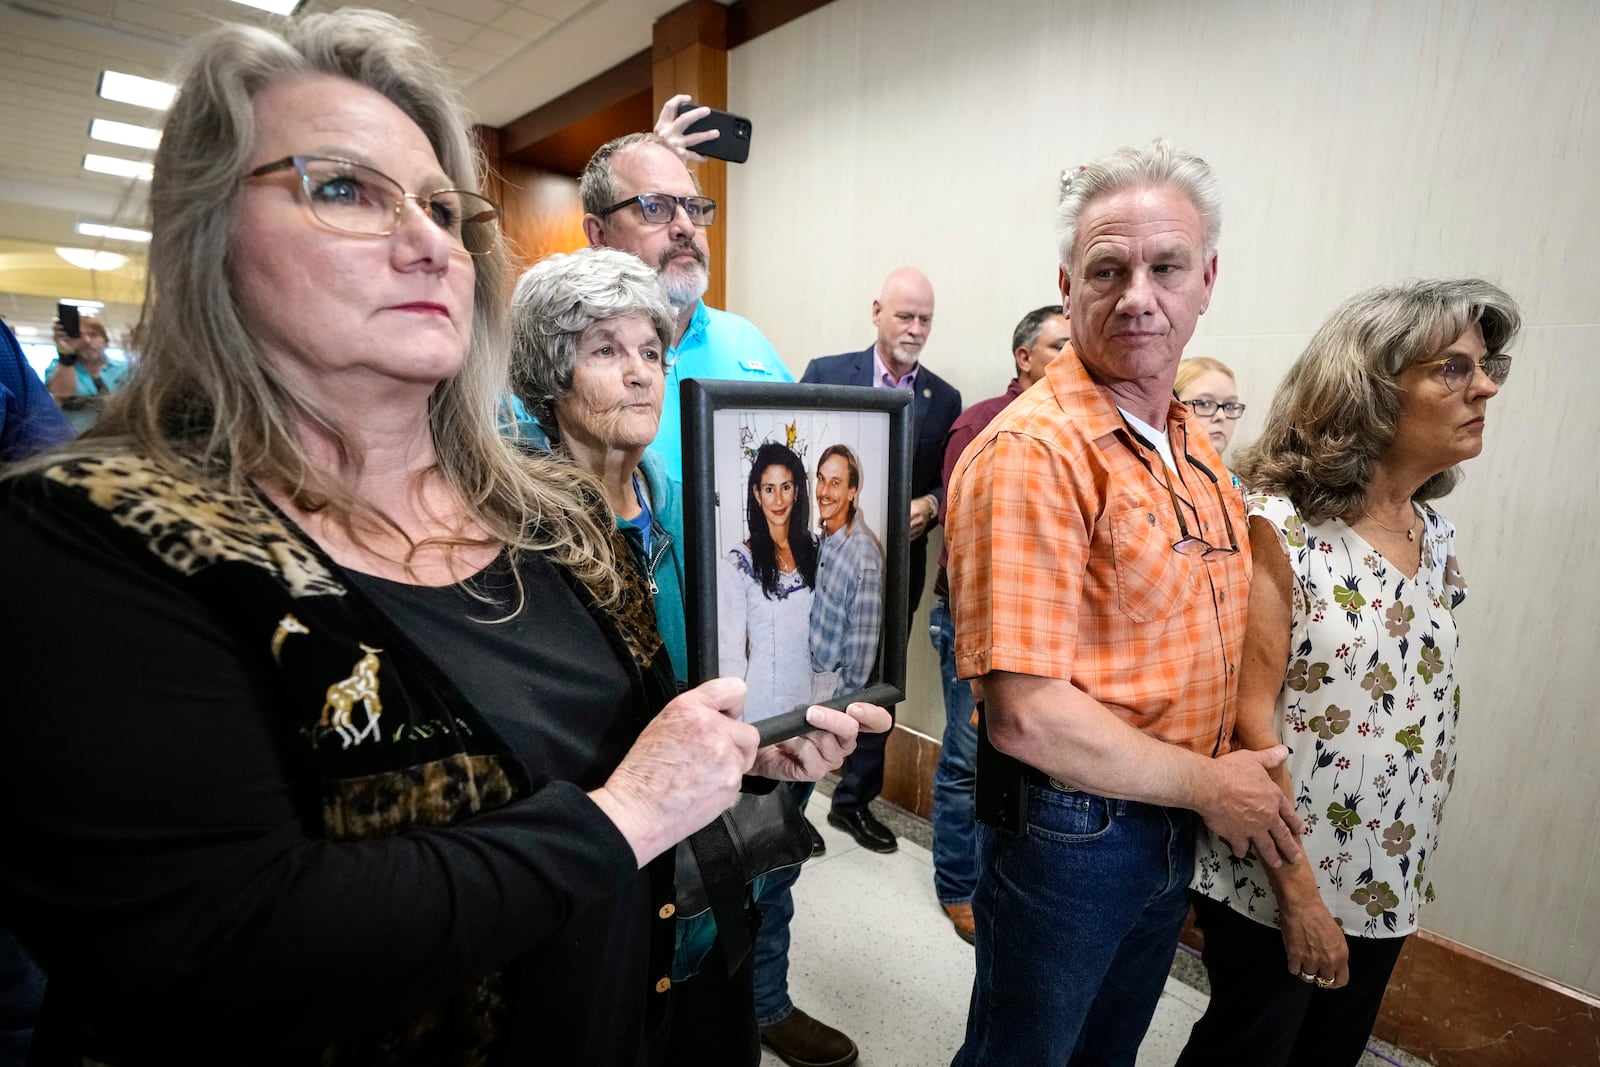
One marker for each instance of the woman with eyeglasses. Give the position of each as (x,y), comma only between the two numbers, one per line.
(375,756)
(1350,659)
(1208,387)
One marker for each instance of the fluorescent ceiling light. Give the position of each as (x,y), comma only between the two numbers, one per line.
(89,259)
(26,331)
(277,7)
(124,133)
(140,92)
(88,307)
(116,165)
(113,233)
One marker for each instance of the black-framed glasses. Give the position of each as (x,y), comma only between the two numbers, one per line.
(1457,370)
(1205,407)
(354,198)
(658,209)
(1187,543)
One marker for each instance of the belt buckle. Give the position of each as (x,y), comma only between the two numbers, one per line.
(1065,787)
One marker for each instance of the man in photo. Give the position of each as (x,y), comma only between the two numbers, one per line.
(847,608)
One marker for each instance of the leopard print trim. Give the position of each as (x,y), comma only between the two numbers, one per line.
(190,527)
(442,792)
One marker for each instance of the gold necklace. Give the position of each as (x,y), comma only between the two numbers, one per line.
(1411,534)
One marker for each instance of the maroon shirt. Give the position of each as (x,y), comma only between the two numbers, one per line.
(968,425)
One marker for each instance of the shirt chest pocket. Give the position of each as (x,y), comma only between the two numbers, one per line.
(1152,579)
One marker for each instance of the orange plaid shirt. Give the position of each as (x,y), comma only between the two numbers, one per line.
(1061,562)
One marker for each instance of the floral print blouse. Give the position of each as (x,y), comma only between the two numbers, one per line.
(1368,709)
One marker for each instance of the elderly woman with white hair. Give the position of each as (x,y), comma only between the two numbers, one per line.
(1351,658)
(590,332)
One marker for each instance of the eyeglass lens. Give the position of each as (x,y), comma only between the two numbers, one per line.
(1206,407)
(358,199)
(658,208)
(1458,370)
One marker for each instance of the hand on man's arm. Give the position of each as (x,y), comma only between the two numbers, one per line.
(1056,727)
(924,514)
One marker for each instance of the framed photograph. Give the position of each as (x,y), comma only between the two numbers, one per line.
(795,504)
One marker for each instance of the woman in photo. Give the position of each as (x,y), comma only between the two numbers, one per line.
(1207,386)
(765,586)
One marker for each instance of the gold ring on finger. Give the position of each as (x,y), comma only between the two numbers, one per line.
(1325,983)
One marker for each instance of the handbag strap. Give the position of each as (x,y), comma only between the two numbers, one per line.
(724,879)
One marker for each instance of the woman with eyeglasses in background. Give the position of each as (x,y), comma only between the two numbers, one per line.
(1350,658)
(1208,387)
(377,759)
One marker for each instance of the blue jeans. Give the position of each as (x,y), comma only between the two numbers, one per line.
(771,952)
(955,847)
(1077,923)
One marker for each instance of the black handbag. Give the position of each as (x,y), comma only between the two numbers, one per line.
(761,833)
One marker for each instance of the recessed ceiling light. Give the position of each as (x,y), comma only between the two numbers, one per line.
(277,7)
(124,133)
(122,168)
(113,233)
(140,92)
(26,331)
(88,259)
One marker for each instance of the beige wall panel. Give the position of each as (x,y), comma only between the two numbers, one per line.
(1357,143)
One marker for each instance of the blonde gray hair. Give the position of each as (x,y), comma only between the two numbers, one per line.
(1195,367)
(206,405)
(1131,167)
(597,186)
(1337,411)
(560,297)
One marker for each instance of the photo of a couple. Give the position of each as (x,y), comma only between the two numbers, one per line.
(800,569)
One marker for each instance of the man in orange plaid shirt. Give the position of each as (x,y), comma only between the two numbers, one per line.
(1099,571)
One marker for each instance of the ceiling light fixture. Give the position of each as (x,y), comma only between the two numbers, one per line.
(116,165)
(89,259)
(140,92)
(88,307)
(276,7)
(113,233)
(124,133)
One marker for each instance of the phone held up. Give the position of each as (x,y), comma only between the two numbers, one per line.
(732,142)
(68,315)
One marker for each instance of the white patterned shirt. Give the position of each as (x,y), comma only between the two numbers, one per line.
(1368,708)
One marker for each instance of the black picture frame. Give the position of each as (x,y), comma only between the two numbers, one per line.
(794,405)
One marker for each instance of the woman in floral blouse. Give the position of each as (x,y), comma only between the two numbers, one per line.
(1351,660)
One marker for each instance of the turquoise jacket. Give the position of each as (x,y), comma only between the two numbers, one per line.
(663,565)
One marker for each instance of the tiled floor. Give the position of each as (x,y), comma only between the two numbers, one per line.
(873,955)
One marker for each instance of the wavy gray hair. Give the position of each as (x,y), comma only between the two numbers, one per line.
(1157,163)
(1338,408)
(560,297)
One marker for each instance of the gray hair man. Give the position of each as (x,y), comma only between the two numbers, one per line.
(1099,585)
(639,197)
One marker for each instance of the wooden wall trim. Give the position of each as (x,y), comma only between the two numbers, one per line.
(749,19)
(604,90)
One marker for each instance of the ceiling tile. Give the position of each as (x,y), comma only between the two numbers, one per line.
(525,24)
(497,44)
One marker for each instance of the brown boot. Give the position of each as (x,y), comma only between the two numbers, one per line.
(961,918)
(801,1041)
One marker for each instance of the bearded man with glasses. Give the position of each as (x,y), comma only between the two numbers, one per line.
(1099,588)
(638,196)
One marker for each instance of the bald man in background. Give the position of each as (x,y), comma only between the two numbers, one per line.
(903,317)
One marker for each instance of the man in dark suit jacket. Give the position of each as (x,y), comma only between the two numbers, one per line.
(903,315)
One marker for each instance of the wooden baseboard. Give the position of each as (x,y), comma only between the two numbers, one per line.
(1454,1006)
(908,763)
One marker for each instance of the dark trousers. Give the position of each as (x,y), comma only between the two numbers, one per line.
(21,990)
(1260,1015)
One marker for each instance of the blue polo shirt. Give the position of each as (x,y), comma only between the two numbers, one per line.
(717,344)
